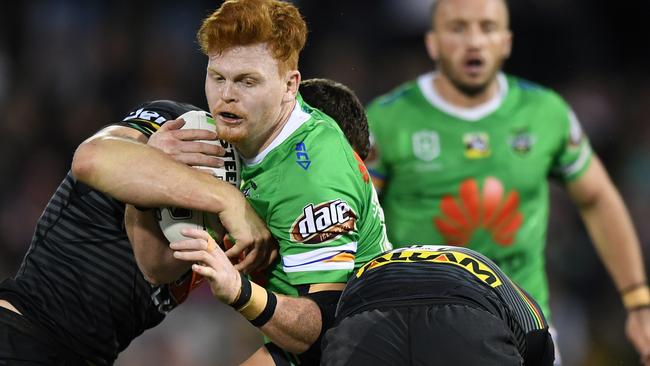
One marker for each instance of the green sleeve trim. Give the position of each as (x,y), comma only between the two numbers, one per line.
(576,169)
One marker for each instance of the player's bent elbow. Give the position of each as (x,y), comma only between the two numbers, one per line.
(299,347)
(152,279)
(156,276)
(160,272)
(83,162)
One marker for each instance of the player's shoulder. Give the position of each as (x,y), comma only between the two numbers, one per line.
(532,92)
(158,111)
(149,116)
(394,97)
(322,129)
(315,146)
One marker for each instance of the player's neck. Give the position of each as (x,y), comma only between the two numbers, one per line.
(454,96)
(250,151)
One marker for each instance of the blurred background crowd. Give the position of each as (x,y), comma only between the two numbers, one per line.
(69,67)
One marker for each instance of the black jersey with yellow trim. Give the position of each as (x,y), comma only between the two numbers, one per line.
(79,281)
(430,274)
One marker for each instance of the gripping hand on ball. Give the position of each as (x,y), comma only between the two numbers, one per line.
(184,145)
(254,247)
(210,262)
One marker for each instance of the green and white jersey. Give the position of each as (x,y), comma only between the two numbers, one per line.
(317,199)
(476,177)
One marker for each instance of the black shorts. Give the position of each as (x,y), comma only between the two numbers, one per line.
(23,344)
(417,335)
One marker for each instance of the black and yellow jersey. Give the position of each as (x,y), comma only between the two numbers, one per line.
(444,274)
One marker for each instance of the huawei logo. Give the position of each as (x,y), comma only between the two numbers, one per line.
(472,210)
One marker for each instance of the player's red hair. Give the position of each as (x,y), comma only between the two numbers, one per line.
(246,22)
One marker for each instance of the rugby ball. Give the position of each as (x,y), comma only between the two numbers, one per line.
(174,219)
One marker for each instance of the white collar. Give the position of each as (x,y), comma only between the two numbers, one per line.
(296,119)
(425,82)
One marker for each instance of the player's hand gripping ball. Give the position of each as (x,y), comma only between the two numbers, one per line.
(174,219)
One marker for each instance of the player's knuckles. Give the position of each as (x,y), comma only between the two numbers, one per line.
(217,150)
(205,257)
(206,160)
(213,150)
(198,134)
(214,162)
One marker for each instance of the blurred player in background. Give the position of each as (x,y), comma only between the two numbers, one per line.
(79,297)
(433,305)
(462,156)
(300,174)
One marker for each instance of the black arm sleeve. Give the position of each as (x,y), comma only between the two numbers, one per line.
(540,350)
(326,301)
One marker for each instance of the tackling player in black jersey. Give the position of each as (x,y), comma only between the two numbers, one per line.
(435,305)
(79,296)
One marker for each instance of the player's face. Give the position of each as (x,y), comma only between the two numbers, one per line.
(248,98)
(470,42)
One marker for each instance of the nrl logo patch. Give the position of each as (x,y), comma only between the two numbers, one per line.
(324,222)
(477,145)
(426,145)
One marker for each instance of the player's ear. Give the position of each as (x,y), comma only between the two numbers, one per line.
(292,82)
(431,43)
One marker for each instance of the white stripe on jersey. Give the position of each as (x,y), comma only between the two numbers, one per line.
(322,259)
(585,153)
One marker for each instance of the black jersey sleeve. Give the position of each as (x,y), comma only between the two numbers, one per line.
(540,350)
(149,116)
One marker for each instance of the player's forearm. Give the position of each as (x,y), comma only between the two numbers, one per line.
(614,237)
(150,247)
(609,224)
(135,173)
(295,325)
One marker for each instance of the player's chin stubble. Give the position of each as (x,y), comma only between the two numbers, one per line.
(232,135)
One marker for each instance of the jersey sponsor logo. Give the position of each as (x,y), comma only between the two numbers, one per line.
(521,142)
(426,145)
(472,265)
(301,156)
(472,210)
(324,222)
(146,115)
(477,145)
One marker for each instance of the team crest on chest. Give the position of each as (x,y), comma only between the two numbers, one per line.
(521,142)
(426,145)
(477,145)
